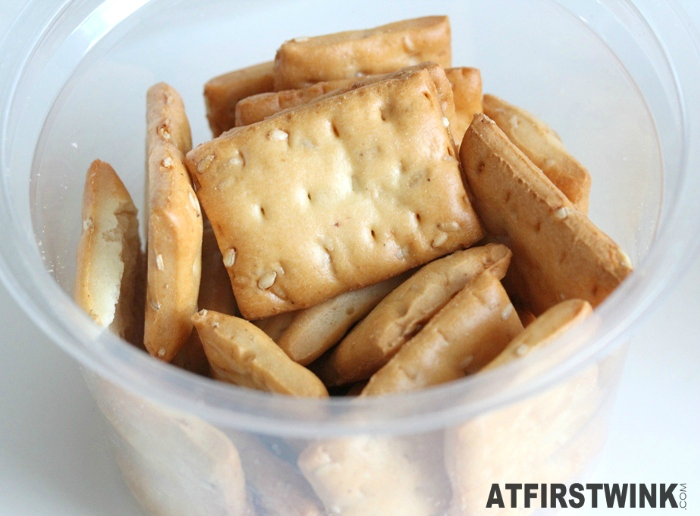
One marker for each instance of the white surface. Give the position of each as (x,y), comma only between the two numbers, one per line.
(54,459)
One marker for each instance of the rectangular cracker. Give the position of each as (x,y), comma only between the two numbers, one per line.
(558,253)
(174,227)
(110,264)
(345,55)
(222,93)
(400,315)
(378,475)
(543,147)
(258,107)
(335,195)
(467,333)
(466,91)
(240,353)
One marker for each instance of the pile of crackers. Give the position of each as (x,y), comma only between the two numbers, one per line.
(364,221)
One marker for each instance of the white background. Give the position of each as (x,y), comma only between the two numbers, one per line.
(55,460)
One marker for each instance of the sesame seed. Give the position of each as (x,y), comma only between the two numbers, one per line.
(507,311)
(561,213)
(203,313)
(448,226)
(439,240)
(194,202)
(204,164)
(278,135)
(267,280)
(230,257)
(522,350)
(159,262)
(87,224)
(236,161)
(445,121)
(161,352)
(625,259)
(215,325)
(155,305)
(167,163)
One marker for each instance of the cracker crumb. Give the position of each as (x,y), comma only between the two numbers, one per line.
(230,257)
(87,224)
(267,280)
(159,262)
(204,164)
(507,311)
(278,135)
(522,350)
(439,240)
(561,213)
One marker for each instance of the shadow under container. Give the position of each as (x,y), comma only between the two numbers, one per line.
(615,80)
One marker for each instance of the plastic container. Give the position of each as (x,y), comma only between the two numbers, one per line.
(614,79)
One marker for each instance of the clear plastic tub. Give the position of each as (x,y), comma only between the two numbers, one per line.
(616,81)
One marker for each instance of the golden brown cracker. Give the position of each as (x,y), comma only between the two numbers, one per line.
(558,253)
(296,236)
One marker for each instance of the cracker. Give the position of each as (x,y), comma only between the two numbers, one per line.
(164,450)
(545,438)
(313,331)
(222,93)
(543,147)
(467,333)
(174,228)
(110,263)
(258,107)
(241,353)
(214,294)
(327,198)
(373,342)
(378,475)
(304,61)
(466,90)
(543,330)
(558,253)
(278,488)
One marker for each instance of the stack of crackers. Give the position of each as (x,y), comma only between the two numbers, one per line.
(364,220)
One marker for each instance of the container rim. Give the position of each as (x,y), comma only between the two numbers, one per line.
(22,271)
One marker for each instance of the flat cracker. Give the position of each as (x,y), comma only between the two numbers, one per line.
(222,93)
(110,263)
(174,228)
(378,475)
(466,91)
(543,330)
(240,353)
(467,333)
(372,343)
(313,331)
(543,147)
(558,253)
(327,198)
(344,55)
(278,488)
(258,107)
